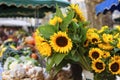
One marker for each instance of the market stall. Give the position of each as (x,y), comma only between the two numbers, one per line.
(109,6)
(22,50)
(106,6)
(29,8)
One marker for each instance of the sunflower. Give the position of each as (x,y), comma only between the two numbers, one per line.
(105,46)
(98,66)
(86,43)
(44,48)
(77,10)
(90,32)
(103,29)
(95,53)
(61,42)
(94,38)
(38,39)
(116,35)
(118,45)
(106,54)
(107,38)
(115,58)
(114,67)
(55,20)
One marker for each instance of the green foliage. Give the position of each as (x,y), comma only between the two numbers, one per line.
(47,30)
(56,59)
(59,12)
(75,30)
(66,21)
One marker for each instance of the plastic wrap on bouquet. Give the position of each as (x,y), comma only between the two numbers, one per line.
(87,75)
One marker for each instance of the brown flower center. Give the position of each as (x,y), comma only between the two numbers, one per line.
(85,42)
(95,55)
(115,67)
(62,41)
(99,65)
(94,40)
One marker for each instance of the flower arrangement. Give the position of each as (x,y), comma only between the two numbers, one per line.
(67,39)
(61,40)
(104,52)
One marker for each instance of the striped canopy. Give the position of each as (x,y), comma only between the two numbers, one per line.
(107,5)
(29,8)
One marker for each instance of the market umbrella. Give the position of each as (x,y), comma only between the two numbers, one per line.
(107,5)
(29,8)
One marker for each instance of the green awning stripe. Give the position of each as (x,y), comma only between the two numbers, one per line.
(34,3)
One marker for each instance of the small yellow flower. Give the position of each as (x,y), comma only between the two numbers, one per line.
(107,38)
(73,6)
(45,49)
(77,10)
(105,46)
(115,58)
(38,38)
(106,54)
(102,29)
(116,35)
(55,20)
(90,32)
(118,44)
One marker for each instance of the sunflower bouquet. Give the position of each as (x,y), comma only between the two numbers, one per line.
(103,47)
(61,40)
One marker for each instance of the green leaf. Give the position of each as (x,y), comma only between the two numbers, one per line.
(47,30)
(54,59)
(57,27)
(86,23)
(81,24)
(66,21)
(75,25)
(58,58)
(17,56)
(116,50)
(73,56)
(49,63)
(73,52)
(83,34)
(73,28)
(59,12)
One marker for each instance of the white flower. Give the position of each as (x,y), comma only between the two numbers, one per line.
(7,62)
(13,65)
